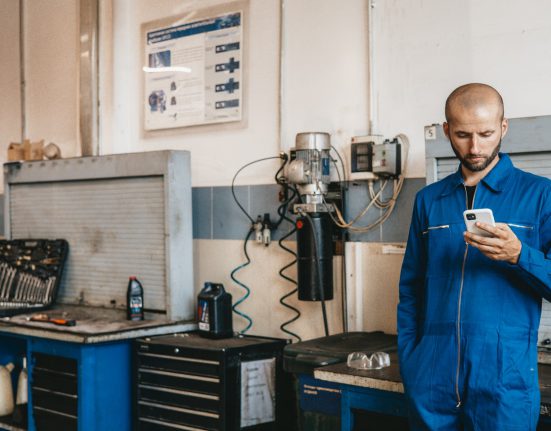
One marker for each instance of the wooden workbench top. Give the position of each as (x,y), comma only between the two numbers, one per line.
(389,379)
(93,325)
(385,379)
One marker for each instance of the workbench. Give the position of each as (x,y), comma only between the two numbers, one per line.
(99,347)
(381,391)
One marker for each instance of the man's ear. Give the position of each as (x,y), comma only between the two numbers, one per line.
(446,128)
(504,127)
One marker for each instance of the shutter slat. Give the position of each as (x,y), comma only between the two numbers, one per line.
(106,245)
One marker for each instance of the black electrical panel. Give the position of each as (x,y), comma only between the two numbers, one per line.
(185,381)
(361,157)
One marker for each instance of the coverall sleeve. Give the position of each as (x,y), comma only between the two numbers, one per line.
(412,279)
(534,265)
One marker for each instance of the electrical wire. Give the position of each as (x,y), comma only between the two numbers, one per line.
(282,209)
(342,164)
(344,308)
(344,292)
(247,290)
(340,222)
(233,184)
(281,273)
(388,205)
(318,271)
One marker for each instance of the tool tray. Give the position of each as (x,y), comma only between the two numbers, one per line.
(30,273)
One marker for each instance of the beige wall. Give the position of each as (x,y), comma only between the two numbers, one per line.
(10,108)
(51,70)
(214,261)
(51,73)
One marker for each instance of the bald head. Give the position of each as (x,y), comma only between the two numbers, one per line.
(470,97)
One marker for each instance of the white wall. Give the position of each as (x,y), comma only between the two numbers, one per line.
(426,48)
(217,152)
(324,71)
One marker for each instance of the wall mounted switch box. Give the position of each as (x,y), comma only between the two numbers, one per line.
(387,159)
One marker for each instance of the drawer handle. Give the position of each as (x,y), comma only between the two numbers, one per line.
(179,358)
(181,375)
(54,412)
(180,409)
(49,391)
(49,371)
(178,392)
(169,425)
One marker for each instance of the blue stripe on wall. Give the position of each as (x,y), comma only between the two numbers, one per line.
(217,216)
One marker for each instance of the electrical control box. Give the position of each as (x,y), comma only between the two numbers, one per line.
(387,159)
(361,156)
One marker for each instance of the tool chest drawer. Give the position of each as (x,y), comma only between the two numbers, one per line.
(54,389)
(187,382)
(171,362)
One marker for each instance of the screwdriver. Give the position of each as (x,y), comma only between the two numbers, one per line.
(56,321)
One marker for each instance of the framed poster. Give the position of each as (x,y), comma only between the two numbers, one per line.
(193,71)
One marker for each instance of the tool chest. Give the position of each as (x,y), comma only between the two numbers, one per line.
(187,382)
(30,273)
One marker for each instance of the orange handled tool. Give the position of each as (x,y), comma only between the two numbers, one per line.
(56,321)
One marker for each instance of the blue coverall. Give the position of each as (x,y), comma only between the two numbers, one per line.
(468,325)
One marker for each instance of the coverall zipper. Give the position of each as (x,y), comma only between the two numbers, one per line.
(458,325)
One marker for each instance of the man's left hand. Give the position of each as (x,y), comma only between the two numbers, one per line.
(504,244)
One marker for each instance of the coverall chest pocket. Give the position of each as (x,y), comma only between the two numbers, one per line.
(438,240)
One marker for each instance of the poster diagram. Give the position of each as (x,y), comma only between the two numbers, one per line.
(193,73)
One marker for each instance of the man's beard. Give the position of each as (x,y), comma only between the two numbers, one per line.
(479,166)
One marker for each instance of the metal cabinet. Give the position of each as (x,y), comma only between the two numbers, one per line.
(73,386)
(187,382)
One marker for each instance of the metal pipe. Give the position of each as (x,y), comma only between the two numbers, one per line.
(371,116)
(280,77)
(22,83)
(88,76)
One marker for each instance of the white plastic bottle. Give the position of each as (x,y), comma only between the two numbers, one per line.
(6,390)
(21,399)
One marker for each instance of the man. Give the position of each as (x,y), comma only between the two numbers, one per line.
(470,305)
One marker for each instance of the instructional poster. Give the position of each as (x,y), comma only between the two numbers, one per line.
(193,73)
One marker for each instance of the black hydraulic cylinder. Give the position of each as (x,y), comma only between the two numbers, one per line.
(310,282)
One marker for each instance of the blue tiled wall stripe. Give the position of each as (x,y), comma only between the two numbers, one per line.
(216,215)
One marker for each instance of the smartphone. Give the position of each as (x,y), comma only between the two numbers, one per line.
(483,215)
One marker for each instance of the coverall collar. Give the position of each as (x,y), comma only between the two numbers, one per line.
(496,179)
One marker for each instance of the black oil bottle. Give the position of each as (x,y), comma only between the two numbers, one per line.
(214,311)
(134,299)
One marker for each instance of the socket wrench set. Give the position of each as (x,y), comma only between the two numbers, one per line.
(30,273)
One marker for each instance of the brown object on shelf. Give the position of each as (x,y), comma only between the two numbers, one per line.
(15,152)
(52,151)
(26,149)
(36,151)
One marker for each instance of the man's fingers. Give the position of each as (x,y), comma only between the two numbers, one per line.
(478,239)
(494,230)
(488,250)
